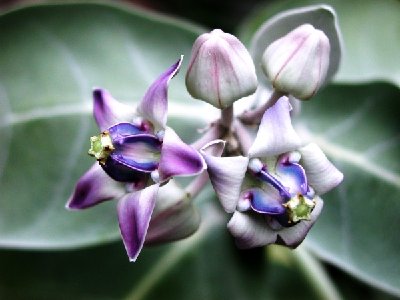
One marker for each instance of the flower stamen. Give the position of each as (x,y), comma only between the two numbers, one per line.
(101,146)
(299,208)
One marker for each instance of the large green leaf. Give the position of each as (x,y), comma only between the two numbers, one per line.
(205,266)
(370,32)
(51,56)
(358,128)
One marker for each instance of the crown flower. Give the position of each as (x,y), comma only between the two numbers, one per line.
(136,153)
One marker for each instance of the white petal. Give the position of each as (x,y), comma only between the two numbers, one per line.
(276,134)
(226,174)
(252,230)
(322,175)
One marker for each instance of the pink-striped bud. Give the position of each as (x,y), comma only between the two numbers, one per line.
(297,63)
(221,70)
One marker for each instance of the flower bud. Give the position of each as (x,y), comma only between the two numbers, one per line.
(297,63)
(221,70)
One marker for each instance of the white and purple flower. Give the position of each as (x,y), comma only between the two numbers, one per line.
(136,153)
(273,192)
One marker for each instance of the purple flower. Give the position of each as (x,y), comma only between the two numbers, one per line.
(136,153)
(273,192)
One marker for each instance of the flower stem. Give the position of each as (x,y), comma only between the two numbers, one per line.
(254,117)
(243,135)
(227,117)
(213,132)
(197,184)
(315,274)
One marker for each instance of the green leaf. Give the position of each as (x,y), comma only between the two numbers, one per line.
(205,266)
(358,128)
(370,32)
(51,57)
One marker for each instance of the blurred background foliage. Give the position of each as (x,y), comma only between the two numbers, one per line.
(356,236)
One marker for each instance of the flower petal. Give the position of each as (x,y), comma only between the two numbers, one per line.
(123,173)
(226,174)
(134,213)
(154,105)
(293,236)
(174,216)
(121,130)
(94,187)
(107,111)
(322,175)
(140,152)
(178,158)
(264,202)
(252,230)
(275,134)
(292,176)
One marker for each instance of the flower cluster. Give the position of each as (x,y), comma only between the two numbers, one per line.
(270,181)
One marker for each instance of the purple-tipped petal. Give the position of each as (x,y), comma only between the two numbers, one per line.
(226,174)
(268,202)
(107,111)
(94,187)
(134,213)
(140,152)
(178,158)
(154,104)
(253,230)
(322,175)
(275,134)
(292,176)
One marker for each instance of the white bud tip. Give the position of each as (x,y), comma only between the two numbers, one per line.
(155,175)
(255,165)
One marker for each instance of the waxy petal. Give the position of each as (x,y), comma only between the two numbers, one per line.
(226,174)
(134,213)
(94,187)
(107,111)
(292,176)
(178,158)
(123,173)
(252,230)
(174,216)
(264,202)
(140,152)
(154,105)
(275,134)
(322,175)
(121,130)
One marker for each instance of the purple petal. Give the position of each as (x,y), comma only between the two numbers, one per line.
(275,134)
(292,176)
(154,105)
(265,202)
(94,187)
(322,175)
(123,173)
(107,111)
(134,213)
(121,130)
(174,216)
(140,152)
(226,174)
(178,158)
(253,230)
